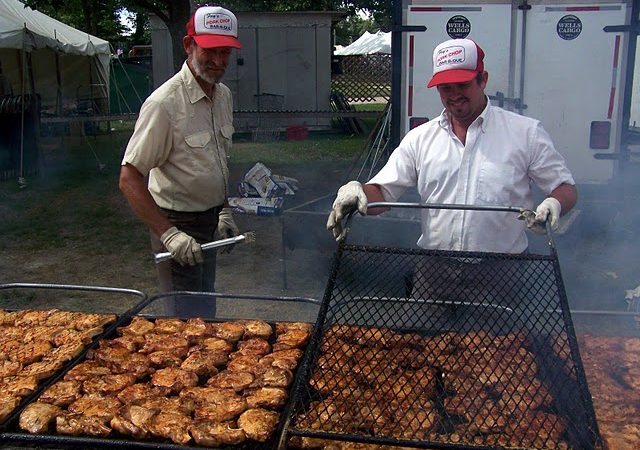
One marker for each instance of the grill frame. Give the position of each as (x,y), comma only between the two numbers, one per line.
(304,393)
(11,433)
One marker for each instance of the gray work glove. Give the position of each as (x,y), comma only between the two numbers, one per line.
(549,209)
(183,248)
(350,197)
(227,228)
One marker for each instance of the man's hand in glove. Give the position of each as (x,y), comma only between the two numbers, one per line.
(227,228)
(350,197)
(183,248)
(549,209)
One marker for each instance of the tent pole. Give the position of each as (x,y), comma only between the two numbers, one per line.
(21,180)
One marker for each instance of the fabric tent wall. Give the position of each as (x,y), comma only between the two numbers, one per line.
(69,68)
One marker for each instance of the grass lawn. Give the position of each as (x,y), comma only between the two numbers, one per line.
(70,224)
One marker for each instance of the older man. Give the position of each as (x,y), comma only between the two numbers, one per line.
(180,143)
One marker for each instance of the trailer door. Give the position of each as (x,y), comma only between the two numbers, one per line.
(487,24)
(572,81)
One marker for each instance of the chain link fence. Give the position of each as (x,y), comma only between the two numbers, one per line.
(363,78)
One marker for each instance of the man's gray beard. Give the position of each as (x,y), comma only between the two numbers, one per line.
(199,70)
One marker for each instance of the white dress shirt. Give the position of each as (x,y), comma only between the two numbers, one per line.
(504,152)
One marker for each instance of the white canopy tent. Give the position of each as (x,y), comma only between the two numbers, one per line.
(368,44)
(66,68)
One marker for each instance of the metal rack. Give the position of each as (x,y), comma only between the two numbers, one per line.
(444,349)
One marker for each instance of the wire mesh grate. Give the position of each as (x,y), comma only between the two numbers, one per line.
(439,349)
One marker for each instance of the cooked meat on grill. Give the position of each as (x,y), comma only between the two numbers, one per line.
(216,434)
(227,379)
(229,331)
(85,370)
(108,384)
(129,341)
(214,344)
(85,321)
(284,359)
(7,405)
(133,420)
(108,355)
(292,335)
(30,352)
(245,363)
(37,417)
(273,377)
(169,326)
(67,335)
(178,405)
(31,317)
(204,363)
(252,346)
(62,393)
(18,386)
(141,391)
(80,424)
(219,406)
(96,405)
(9,368)
(171,425)
(258,423)
(39,333)
(42,369)
(137,364)
(256,329)
(266,397)
(329,381)
(165,358)
(158,342)
(195,330)
(139,326)
(538,427)
(7,345)
(174,378)
(61,318)
(65,352)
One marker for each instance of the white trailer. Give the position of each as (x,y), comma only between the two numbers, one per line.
(552,60)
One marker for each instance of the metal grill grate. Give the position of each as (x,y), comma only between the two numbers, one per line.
(438,349)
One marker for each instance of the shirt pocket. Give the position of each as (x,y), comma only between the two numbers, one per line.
(199,155)
(198,140)
(496,184)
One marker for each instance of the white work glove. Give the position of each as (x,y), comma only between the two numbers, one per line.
(549,209)
(350,197)
(183,248)
(227,228)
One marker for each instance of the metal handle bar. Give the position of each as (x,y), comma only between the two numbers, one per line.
(515,209)
(72,287)
(452,206)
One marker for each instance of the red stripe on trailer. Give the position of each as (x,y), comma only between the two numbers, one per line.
(583,8)
(412,49)
(426,9)
(614,75)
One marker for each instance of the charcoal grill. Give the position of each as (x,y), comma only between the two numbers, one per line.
(152,307)
(444,349)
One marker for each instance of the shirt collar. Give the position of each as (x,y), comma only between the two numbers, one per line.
(444,122)
(194,91)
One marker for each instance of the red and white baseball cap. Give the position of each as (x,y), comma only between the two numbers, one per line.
(456,61)
(214,26)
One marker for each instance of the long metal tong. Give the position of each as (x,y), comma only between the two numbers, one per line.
(247,237)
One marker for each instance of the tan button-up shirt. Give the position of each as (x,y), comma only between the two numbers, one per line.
(181,140)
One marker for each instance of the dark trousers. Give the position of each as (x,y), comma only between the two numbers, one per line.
(469,294)
(199,278)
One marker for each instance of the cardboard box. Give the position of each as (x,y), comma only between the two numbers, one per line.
(256,205)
